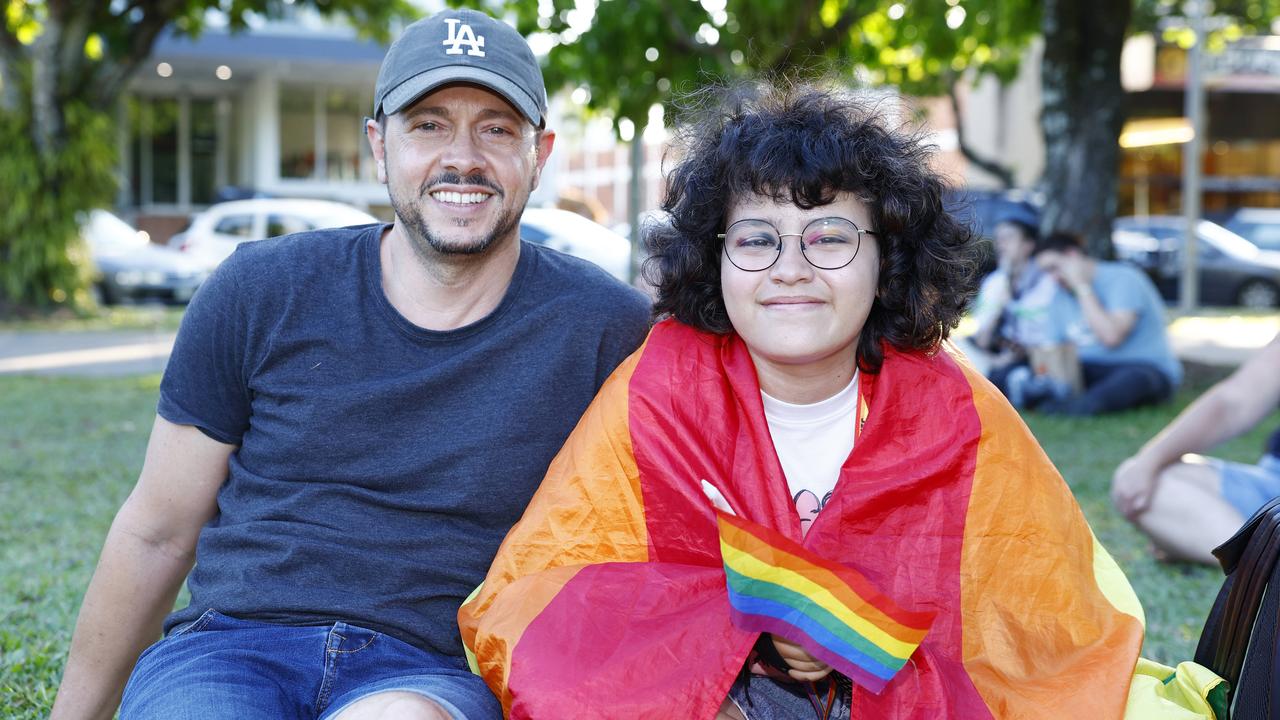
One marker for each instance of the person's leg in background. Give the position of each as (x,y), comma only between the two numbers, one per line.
(1111,388)
(1200,502)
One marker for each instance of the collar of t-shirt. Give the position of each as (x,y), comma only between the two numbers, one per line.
(812,442)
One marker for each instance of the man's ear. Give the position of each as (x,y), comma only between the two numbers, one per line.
(542,145)
(377,143)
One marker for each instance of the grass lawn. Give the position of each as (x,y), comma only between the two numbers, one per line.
(119,317)
(1176,597)
(71,449)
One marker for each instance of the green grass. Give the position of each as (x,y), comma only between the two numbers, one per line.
(71,450)
(120,317)
(1176,597)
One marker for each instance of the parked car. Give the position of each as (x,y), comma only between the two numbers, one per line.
(1232,270)
(1260,226)
(214,234)
(574,234)
(127,266)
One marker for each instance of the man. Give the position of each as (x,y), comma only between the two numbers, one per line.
(352,419)
(1113,315)
(1190,504)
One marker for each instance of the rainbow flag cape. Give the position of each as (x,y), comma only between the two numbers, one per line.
(610,598)
(777,586)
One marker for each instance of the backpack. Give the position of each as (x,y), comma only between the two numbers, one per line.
(1240,641)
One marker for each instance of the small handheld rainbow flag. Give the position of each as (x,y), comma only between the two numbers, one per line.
(777,586)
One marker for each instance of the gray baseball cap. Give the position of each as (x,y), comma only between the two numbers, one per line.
(461,46)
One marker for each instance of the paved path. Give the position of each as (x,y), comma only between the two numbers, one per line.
(1223,341)
(87,353)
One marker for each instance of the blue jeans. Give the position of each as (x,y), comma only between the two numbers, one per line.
(1249,487)
(221,667)
(1113,387)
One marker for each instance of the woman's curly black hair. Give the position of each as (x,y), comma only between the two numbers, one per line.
(806,143)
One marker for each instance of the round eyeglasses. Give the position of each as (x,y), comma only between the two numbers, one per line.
(827,243)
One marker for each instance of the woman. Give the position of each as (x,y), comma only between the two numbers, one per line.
(791,502)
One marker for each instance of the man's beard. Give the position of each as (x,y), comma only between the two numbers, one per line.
(411,214)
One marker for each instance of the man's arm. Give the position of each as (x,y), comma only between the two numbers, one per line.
(148,553)
(1228,409)
(1111,327)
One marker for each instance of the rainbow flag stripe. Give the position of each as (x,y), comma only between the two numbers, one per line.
(622,595)
(777,586)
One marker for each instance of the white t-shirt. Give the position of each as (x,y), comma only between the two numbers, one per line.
(813,441)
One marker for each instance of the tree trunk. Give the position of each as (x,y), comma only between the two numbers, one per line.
(45,110)
(1084,108)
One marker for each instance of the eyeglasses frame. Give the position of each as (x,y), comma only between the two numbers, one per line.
(782,242)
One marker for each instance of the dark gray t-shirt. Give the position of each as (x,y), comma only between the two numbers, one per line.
(380,464)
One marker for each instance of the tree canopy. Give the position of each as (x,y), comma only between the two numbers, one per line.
(63,67)
(626,55)
(631,54)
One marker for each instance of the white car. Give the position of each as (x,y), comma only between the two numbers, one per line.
(214,234)
(575,235)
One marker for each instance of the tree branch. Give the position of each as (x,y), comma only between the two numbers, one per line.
(1001,172)
(801,16)
(682,38)
(111,77)
(836,33)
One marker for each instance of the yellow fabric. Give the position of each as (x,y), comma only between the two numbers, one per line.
(1159,692)
(1114,585)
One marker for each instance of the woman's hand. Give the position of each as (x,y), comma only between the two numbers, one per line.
(804,666)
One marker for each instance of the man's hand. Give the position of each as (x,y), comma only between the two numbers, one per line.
(1132,486)
(1074,271)
(804,666)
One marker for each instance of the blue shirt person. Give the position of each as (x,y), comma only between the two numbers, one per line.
(1114,316)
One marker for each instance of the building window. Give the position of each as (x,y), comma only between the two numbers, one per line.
(322,134)
(297,132)
(178,150)
(347,154)
(204,151)
(153,149)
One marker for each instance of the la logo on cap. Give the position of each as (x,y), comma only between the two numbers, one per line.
(461,34)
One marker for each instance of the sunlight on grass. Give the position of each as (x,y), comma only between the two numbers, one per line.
(122,317)
(73,448)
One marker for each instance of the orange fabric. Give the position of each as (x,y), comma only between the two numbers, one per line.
(571,528)
(608,598)
(1050,543)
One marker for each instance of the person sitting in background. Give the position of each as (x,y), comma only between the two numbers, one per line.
(1190,504)
(1012,303)
(1113,315)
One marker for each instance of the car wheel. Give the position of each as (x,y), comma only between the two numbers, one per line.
(1258,294)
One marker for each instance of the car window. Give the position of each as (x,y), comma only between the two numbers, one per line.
(1226,241)
(278,224)
(1264,235)
(236,226)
